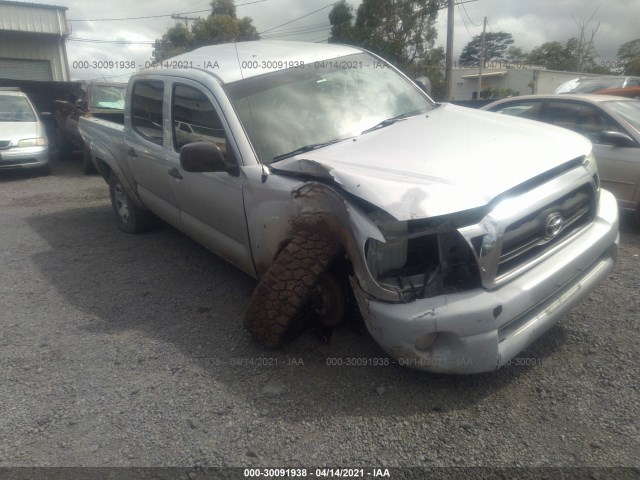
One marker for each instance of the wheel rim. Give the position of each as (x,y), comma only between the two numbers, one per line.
(328,300)
(121,203)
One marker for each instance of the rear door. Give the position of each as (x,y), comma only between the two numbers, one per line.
(149,159)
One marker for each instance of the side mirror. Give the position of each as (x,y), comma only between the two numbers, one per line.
(44,116)
(81,104)
(205,157)
(424,83)
(617,139)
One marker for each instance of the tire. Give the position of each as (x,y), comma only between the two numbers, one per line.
(88,168)
(129,217)
(284,294)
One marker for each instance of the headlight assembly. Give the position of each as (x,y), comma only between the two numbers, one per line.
(33,142)
(421,264)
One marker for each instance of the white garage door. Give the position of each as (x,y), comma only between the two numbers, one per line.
(25,69)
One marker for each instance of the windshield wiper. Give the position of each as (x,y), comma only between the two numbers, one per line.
(306,148)
(392,120)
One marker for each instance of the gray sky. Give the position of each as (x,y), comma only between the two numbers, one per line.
(530,23)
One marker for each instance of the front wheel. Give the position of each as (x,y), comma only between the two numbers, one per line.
(129,217)
(288,289)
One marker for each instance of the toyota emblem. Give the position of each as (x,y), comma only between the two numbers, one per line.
(553,225)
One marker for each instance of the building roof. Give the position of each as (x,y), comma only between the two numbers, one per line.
(33,18)
(236,61)
(32,5)
(500,73)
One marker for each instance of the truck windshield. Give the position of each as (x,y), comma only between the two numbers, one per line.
(108,97)
(15,109)
(329,100)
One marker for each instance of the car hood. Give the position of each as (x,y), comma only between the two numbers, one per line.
(16,131)
(448,160)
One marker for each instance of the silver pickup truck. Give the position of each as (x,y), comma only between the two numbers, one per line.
(324,172)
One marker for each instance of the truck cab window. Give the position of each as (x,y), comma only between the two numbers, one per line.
(146,108)
(195,119)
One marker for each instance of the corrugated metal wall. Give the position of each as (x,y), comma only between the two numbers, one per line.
(26,18)
(30,46)
(32,42)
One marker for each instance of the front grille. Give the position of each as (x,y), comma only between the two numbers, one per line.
(4,144)
(530,224)
(529,237)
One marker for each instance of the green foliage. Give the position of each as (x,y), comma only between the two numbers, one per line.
(496,45)
(629,56)
(567,56)
(515,55)
(431,66)
(401,31)
(222,26)
(341,17)
(495,93)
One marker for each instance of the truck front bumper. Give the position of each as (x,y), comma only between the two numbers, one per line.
(481,330)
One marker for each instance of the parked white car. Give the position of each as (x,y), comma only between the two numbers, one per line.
(23,141)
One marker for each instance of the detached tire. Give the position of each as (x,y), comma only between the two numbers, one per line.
(286,290)
(129,217)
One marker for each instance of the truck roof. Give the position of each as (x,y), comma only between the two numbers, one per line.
(235,61)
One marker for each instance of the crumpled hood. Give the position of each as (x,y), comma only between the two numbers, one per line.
(448,160)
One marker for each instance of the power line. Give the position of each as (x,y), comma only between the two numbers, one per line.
(296,19)
(464,22)
(153,16)
(468,17)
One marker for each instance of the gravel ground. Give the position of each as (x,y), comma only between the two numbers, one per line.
(120,350)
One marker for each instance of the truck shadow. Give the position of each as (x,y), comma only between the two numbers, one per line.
(167,287)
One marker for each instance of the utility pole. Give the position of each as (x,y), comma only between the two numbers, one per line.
(186,19)
(481,64)
(448,74)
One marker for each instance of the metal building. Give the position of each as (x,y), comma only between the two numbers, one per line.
(32,41)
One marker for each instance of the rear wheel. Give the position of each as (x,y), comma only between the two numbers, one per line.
(295,284)
(129,217)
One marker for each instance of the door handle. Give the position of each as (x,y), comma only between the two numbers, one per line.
(175,173)
(131,152)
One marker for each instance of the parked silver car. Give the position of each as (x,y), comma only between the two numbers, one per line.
(23,141)
(611,123)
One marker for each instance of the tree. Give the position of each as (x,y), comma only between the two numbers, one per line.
(555,55)
(221,26)
(515,55)
(496,45)
(401,31)
(341,17)
(431,65)
(629,57)
(583,47)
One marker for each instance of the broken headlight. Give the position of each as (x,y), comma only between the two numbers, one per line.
(421,263)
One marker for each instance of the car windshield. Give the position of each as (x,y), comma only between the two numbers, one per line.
(16,109)
(330,100)
(629,110)
(108,97)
